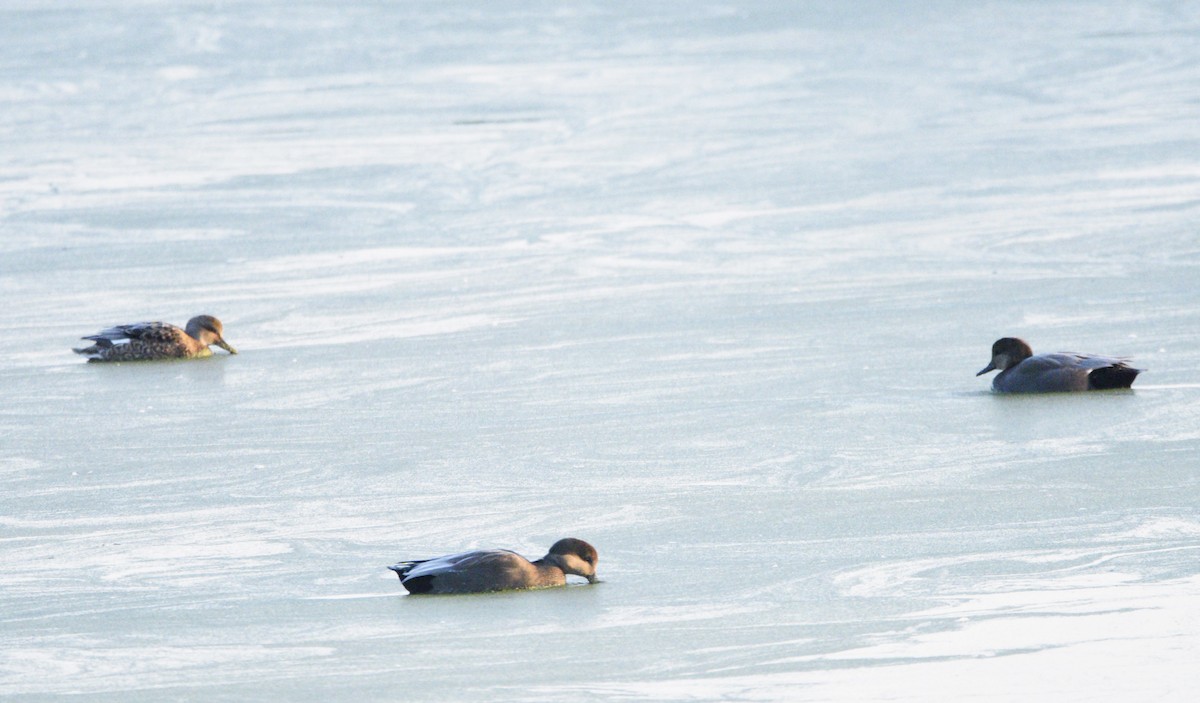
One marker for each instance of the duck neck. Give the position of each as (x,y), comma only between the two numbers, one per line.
(550,570)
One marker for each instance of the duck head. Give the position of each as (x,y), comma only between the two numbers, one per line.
(1007,352)
(207,329)
(574,556)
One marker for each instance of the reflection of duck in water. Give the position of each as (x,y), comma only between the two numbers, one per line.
(498,569)
(1022,372)
(148,341)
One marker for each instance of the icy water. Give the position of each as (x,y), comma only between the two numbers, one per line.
(705,284)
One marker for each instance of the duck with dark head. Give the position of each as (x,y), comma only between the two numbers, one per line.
(1023,372)
(486,570)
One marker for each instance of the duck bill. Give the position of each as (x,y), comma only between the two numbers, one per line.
(226,346)
(592,579)
(989,367)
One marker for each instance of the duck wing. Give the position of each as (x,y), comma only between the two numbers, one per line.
(465,572)
(1104,372)
(1088,361)
(1066,371)
(154,332)
(474,561)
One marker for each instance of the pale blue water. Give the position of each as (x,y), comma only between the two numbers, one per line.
(704,284)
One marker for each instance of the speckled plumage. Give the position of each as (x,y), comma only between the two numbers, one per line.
(486,570)
(1023,372)
(150,341)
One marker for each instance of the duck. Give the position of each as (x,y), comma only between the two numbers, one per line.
(1023,372)
(150,341)
(486,570)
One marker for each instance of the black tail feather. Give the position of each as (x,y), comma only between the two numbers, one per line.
(404,567)
(1111,377)
(418,585)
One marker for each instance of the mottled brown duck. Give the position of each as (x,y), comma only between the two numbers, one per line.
(151,341)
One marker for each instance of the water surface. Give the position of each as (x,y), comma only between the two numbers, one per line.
(705,285)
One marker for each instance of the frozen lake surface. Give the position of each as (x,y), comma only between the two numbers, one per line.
(705,284)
